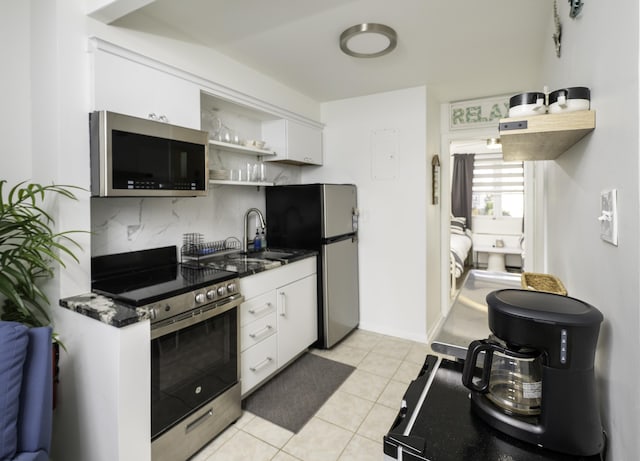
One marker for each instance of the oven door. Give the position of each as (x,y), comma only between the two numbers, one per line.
(194,358)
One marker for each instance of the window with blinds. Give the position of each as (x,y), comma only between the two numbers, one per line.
(498,186)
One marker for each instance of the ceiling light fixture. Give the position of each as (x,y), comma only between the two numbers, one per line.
(368,40)
(494,143)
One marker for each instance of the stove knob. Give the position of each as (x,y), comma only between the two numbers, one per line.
(222,291)
(200,298)
(211,294)
(153,313)
(231,288)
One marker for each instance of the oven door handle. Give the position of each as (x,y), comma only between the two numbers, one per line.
(199,421)
(170,326)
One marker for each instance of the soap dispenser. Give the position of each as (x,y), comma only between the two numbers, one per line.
(263,240)
(257,241)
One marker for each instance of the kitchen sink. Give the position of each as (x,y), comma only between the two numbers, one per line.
(240,263)
(245,259)
(260,256)
(253,260)
(268,254)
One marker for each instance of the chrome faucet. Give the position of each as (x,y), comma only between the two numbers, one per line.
(245,239)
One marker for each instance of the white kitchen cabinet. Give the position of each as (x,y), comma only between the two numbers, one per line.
(297,324)
(257,331)
(128,87)
(258,363)
(278,319)
(257,307)
(293,142)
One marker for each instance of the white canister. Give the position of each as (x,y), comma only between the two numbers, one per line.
(569,99)
(526,104)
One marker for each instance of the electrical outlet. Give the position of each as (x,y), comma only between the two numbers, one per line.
(609,216)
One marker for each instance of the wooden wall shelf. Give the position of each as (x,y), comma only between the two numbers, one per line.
(545,137)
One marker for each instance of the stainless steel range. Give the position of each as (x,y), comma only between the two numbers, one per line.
(195,350)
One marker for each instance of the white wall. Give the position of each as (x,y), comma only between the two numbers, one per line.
(15,118)
(434,230)
(392,230)
(600,50)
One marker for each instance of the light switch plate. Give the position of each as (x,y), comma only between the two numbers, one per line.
(609,216)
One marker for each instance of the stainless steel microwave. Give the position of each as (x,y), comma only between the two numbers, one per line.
(136,157)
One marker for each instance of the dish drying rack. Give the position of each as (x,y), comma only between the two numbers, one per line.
(195,250)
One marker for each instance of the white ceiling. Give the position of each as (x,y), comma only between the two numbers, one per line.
(462,49)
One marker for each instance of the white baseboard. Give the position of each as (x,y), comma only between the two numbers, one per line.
(420,338)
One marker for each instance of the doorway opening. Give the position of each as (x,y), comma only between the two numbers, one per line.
(487,229)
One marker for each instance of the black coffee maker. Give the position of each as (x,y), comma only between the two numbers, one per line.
(537,381)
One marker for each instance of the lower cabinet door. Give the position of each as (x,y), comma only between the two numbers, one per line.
(258,363)
(297,318)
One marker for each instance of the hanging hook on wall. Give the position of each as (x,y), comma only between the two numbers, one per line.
(557,33)
(576,7)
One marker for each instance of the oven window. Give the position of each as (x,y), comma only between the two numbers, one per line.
(190,367)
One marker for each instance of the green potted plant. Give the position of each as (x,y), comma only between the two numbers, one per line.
(29,250)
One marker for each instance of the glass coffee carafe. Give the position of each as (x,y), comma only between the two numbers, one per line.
(510,379)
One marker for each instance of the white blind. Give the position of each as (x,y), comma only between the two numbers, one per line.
(491,174)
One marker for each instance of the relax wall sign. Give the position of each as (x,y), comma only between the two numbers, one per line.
(478,113)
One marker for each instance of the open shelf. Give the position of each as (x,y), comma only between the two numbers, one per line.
(238,149)
(240,183)
(544,137)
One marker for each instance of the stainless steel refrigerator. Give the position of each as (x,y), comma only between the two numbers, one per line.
(322,217)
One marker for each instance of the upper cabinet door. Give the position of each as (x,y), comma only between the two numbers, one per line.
(127,87)
(293,142)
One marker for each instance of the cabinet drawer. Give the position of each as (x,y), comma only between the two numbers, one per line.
(258,307)
(258,363)
(258,330)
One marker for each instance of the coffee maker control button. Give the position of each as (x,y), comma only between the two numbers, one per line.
(563,346)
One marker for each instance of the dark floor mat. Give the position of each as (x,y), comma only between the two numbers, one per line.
(295,394)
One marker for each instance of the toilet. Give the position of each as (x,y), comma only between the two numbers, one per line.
(496,240)
(495,259)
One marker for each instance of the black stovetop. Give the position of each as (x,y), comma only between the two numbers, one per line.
(142,277)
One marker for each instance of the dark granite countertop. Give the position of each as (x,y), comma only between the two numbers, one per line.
(111,312)
(105,310)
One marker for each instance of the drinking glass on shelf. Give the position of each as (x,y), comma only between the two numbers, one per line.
(213,124)
(225,134)
(236,174)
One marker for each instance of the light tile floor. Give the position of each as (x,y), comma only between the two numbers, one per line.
(350,425)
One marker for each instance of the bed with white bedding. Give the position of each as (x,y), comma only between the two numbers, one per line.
(460,247)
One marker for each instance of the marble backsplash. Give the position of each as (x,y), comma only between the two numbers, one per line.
(131,224)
